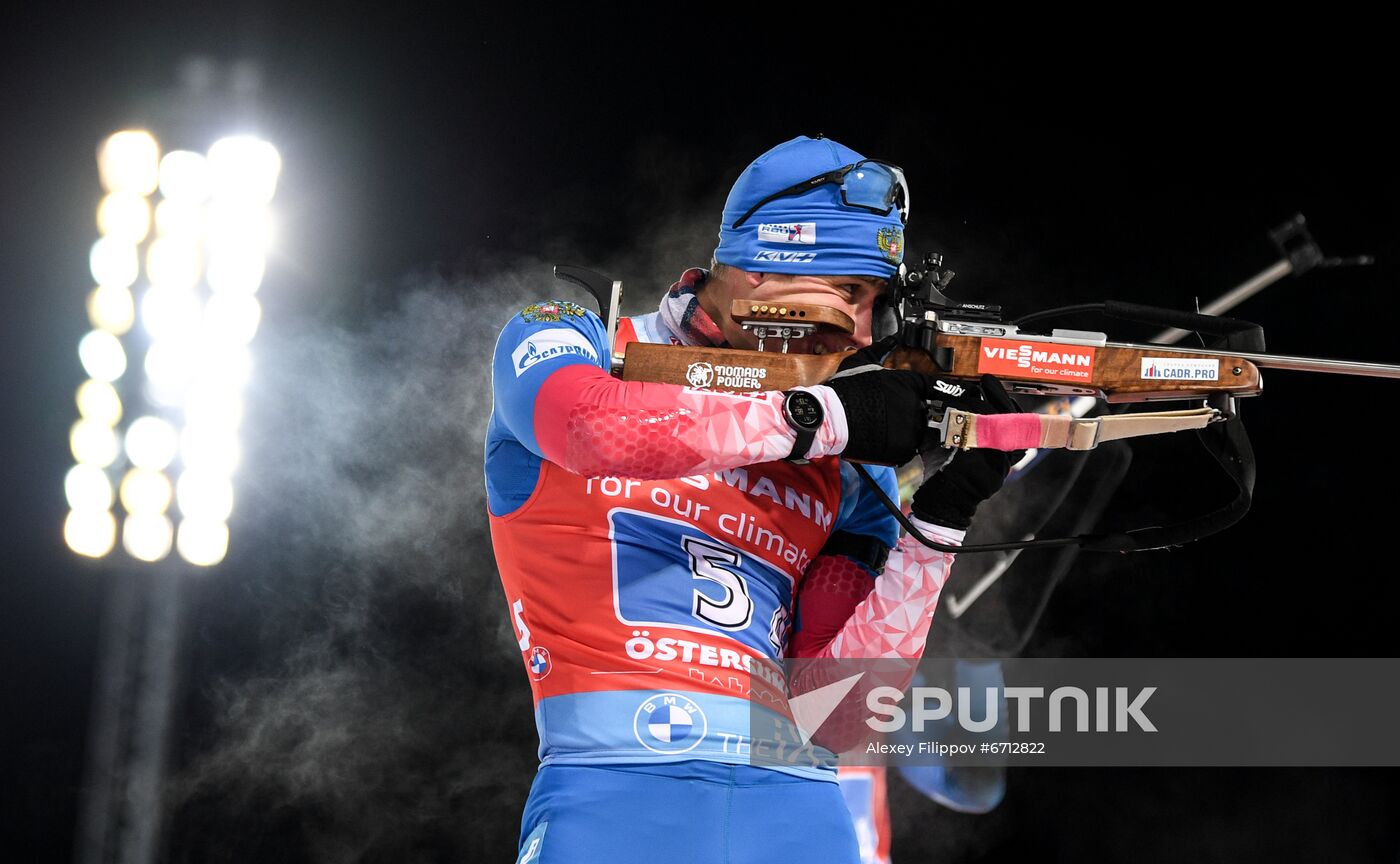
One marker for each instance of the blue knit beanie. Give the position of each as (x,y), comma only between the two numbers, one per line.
(811,232)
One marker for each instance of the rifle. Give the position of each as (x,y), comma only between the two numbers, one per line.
(964,341)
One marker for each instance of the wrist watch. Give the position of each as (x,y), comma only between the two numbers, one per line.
(805,415)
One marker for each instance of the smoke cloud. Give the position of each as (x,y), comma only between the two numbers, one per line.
(385,717)
(368,701)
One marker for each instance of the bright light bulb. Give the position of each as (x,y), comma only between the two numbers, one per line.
(145,491)
(147,536)
(170,364)
(235,270)
(173,264)
(93,443)
(102,356)
(111,308)
(213,406)
(124,216)
(184,176)
(98,401)
(202,543)
(204,495)
(90,532)
(238,228)
(244,168)
(129,162)
(171,314)
(151,443)
(232,318)
(181,221)
(227,368)
(88,488)
(210,449)
(114,262)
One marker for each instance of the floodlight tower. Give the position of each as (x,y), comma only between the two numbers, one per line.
(183,241)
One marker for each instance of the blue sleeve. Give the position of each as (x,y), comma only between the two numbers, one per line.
(862,512)
(544,337)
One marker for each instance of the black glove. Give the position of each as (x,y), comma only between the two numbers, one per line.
(950,497)
(886,414)
(886,409)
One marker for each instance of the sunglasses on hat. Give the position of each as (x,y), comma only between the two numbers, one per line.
(870,184)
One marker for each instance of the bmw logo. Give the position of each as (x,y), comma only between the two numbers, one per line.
(539,663)
(669,723)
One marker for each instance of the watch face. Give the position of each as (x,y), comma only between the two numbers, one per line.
(804,409)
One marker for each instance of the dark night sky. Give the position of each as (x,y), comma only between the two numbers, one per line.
(443,149)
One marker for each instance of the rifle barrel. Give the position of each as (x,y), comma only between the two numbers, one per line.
(1300,364)
(1318,364)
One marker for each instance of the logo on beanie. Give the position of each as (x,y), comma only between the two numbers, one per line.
(789,232)
(891,243)
(786,257)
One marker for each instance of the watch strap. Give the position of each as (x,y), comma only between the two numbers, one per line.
(802,445)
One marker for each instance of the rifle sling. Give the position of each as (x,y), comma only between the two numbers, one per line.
(1062,431)
(1227,442)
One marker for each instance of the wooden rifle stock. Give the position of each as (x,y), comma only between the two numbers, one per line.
(1118,372)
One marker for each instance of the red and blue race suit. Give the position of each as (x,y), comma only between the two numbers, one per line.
(651,541)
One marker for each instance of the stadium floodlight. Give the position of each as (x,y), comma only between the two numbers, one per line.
(124,216)
(169,367)
(232,319)
(237,229)
(171,313)
(151,443)
(202,543)
(90,532)
(244,168)
(204,495)
(98,401)
(212,448)
(226,369)
(234,270)
(93,443)
(114,262)
(180,220)
(144,491)
(129,161)
(111,308)
(192,281)
(102,356)
(184,177)
(183,248)
(147,536)
(213,405)
(171,263)
(87,488)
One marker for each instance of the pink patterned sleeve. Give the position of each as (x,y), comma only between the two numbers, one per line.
(849,614)
(886,618)
(596,425)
